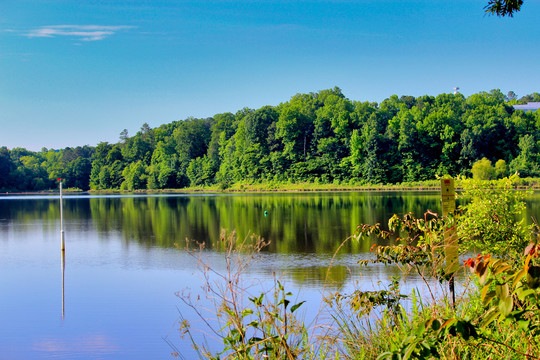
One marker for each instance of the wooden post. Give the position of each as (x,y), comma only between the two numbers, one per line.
(448,195)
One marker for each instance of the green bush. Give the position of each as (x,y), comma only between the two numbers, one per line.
(492,219)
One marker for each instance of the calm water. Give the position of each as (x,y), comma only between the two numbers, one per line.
(126,259)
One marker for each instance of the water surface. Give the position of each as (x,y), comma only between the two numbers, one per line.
(126,258)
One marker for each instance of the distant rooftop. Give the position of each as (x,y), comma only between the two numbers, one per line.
(532,106)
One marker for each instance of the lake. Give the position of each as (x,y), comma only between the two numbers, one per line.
(115,294)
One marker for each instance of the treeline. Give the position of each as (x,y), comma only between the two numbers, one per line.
(24,170)
(318,137)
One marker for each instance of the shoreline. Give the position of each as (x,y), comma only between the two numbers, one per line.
(431,186)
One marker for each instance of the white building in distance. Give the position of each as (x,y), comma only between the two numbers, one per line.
(532,106)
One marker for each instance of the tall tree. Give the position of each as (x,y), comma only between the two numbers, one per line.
(6,168)
(192,137)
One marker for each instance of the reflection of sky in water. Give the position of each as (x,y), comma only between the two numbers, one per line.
(120,298)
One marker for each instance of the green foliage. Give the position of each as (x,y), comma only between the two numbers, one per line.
(6,168)
(363,303)
(501,169)
(419,244)
(510,292)
(498,317)
(482,170)
(200,171)
(134,176)
(492,219)
(139,147)
(320,137)
(503,7)
(77,173)
(162,173)
(264,328)
(526,163)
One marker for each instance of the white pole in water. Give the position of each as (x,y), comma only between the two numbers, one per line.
(63,264)
(62,239)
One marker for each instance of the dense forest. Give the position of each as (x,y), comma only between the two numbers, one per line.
(318,137)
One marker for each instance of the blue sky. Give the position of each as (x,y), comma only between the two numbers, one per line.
(78,72)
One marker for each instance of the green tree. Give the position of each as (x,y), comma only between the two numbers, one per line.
(200,171)
(192,137)
(6,168)
(377,150)
(527,163)
(501,169)
(411,164)
(488,130)
(356,158)
(229,164)
(534,97)
(483,170)
(31,172)
(335,121)
(77,173)
(134,176)
(295,126)
(100,155)
(139,147)
(163,169)
(257,124)
(222,130)
(107,167)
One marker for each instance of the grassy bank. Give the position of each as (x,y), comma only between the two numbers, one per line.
(250,186)
(70,191)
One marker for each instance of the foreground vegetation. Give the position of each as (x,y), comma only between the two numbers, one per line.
(495,316)
(316,138)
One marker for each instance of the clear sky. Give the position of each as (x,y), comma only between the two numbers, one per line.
(79,72)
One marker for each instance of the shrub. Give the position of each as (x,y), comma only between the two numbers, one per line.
(492,219)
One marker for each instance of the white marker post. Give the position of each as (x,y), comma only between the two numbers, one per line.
(62,247)
(448,195)
(62,239)
(63,265)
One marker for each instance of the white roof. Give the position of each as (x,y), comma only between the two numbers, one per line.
(529,106)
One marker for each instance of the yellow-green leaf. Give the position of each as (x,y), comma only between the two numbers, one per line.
(519,275)
(506,305)
(490,316)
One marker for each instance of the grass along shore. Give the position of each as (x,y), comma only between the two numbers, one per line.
(273,186)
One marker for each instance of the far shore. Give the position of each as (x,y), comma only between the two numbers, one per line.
(524,184)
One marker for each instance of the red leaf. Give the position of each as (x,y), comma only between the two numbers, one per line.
(529,248)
